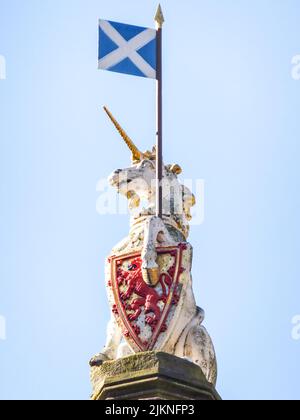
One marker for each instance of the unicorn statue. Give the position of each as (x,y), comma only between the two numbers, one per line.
(148,274)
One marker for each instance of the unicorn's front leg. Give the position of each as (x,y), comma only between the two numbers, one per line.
(155,234)
(150,267)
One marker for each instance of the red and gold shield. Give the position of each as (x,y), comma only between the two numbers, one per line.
(143,312)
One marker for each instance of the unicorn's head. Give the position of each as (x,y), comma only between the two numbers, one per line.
(138,184)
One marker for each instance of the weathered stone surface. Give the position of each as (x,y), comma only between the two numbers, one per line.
(153,376)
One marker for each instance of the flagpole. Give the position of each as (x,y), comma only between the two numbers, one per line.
(159,18)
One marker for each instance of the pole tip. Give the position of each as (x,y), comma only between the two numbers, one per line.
(159,17)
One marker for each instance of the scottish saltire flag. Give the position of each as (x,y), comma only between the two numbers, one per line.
(127,49)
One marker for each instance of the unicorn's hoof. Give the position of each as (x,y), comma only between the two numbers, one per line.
(98,360)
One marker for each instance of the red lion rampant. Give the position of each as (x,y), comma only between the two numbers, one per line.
(148,297)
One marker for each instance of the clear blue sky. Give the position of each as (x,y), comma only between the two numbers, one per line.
(231,118)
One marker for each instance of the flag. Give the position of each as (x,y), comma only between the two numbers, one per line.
(127,49)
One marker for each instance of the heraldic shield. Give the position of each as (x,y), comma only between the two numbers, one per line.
(145,314)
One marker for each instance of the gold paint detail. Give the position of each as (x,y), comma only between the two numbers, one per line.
(159,17)
(136,154)
(134,200)
(176,169)
(151,276)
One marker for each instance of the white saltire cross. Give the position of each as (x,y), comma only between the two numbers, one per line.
(127,49)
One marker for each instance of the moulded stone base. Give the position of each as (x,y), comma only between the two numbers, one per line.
(151,376)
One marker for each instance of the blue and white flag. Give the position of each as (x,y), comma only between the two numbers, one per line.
(127,49)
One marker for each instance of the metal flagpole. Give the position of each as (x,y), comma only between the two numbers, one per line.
(159,18)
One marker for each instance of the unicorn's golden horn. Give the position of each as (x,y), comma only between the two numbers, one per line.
(136,154)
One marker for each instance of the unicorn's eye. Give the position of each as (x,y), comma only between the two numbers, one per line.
(147,164)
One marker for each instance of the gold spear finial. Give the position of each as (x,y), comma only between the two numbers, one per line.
(159,17)
(136,154)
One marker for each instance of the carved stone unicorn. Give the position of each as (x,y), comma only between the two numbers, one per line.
(153,243)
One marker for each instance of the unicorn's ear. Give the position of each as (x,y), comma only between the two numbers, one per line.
(176,169)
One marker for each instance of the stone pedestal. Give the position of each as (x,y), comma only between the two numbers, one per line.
(151,376)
